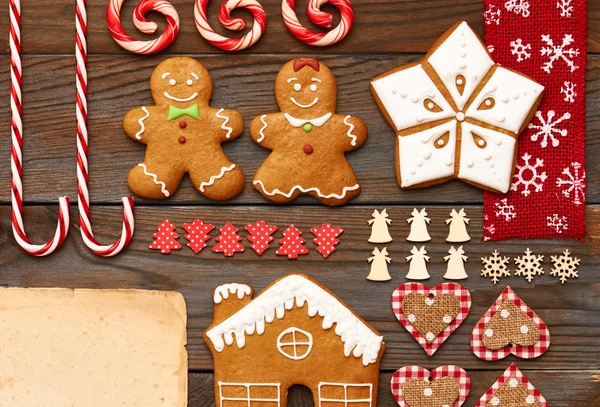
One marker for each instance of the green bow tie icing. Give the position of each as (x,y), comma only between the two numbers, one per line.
(192,111)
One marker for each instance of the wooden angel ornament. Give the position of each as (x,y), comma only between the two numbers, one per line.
(379,227)
(418,226)
(458,227)
(379,265)
(456,264)
(418,264)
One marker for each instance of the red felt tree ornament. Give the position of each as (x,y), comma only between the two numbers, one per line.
(197,234)
(291,244)
(260,236)
(228,241)
(326,238)
(165,238)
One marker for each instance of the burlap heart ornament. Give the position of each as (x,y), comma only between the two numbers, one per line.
(414,386)
(431,314)
(510,326)
(512,389)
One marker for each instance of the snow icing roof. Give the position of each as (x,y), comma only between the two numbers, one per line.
(359,340)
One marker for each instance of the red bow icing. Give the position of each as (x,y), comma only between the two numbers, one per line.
(301,63)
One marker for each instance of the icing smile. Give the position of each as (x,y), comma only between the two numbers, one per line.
(166,94)
(311,104)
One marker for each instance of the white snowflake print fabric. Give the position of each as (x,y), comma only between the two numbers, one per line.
(441,113)
(545,40)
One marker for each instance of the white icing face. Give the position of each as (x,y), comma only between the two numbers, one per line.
(172,81)
(297,87)
(412,100)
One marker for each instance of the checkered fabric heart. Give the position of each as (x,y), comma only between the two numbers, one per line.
(457,290)
(402,375)
(517,386)
(525,352)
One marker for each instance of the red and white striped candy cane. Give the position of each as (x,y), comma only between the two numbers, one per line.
(320,18)
(16,158)
(82,150)
(236,24)
(113,13)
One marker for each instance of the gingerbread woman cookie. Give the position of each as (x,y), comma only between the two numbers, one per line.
(183,134)
(308,140)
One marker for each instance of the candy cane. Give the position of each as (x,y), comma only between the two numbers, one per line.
(236,24)
(320,18)
(16,158)
(113,20)
(82,150)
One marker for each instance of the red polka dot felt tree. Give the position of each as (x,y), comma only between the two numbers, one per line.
(326,238)
(165,238)
(260,236)
(228,241)
(197,234)
(291,244)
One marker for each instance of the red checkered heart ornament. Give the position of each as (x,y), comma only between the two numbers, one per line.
(510,326)
(414,386)
(431,314)
(512,389)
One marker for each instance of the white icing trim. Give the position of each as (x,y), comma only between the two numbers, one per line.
(195,76)
(294,344)
(165,75)
(215,177)
(300,105)
(265,125)
(224,126)
(222,292)
(276,191)
(292,79)
(345,401)
(141,123)
(248,399)
(319,121)
(194,96)
(349,134)
(163,186)
(316,80)
(359,340)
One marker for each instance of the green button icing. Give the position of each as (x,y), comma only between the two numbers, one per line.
(308,127)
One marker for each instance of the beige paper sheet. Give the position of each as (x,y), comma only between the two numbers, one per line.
(92,348)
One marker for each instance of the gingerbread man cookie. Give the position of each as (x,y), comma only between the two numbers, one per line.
(308,140)
(183,134)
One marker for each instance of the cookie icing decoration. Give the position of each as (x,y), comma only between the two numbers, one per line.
(260,236)
(456,114)
(430,315)
(183,134)
(379,265)
(307,138)
(326,238)
(414,386)
(197,234)
(292,243)
(165,238)
(222,292)
(228,241)
(510,327)
(512,389)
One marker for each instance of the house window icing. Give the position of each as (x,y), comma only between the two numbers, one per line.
(346,394)
(249,394)
(294,343)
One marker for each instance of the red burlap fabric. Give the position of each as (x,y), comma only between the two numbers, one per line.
(545,39)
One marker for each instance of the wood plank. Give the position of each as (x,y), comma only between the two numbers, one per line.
(119,83)
(571,310)
(49,27)
(561,389)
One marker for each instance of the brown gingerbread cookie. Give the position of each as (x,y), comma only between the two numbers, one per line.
(183,134)
(308,140)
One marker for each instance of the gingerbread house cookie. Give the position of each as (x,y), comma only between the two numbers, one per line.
(456,114)
(285,336)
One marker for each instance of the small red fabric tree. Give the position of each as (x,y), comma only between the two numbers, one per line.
(165,238)
(291,244)
(228,241)
(260,236)
(326,238)
(197,234)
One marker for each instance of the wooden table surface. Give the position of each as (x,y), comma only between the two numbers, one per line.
(386,34)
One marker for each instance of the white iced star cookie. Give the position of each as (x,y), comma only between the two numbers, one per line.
(457,114)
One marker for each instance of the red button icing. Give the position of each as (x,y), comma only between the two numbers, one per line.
(308,149)
(182,140)
(182,124)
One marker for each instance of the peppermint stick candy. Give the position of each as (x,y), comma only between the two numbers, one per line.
(82,150)
(320,18)
(113,21)
(235,24)
(16,158)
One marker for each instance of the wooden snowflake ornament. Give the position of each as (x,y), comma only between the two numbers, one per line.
(512,389)
(495,266)
(529,265)
(565,266)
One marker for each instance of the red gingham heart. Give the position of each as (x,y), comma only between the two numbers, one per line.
(525,352)
(460,292)
(512,370)
(417,372)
